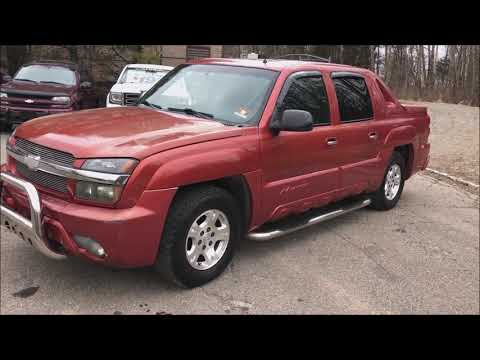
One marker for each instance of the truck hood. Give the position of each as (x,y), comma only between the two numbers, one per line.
(28,87)
(121,132)
(132,88)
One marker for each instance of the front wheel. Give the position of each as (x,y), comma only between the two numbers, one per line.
(199,238)
(388,194)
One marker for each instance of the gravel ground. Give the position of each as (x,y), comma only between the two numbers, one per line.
(454,139)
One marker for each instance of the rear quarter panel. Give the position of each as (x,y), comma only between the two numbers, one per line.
(403,128)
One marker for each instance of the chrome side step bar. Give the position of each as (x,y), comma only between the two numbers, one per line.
(310,218)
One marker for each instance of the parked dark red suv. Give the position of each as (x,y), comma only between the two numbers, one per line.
(42,88)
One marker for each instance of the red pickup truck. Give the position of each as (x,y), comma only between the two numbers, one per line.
(217,151)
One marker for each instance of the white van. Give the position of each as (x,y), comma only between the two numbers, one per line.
(133,81)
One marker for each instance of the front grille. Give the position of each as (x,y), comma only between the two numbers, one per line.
(44,179)
(27,96)
(34,105)
(45,153)
(130,99)
(39,101)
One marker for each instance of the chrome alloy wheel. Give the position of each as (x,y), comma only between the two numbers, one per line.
(393,181)
(207,239)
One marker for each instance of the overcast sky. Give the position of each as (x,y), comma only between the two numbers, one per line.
(442,50)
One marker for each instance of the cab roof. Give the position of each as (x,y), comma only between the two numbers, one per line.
(279,65)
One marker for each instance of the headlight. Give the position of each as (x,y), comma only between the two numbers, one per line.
(61,99)
(101,192)
(112,166)
(116,98)
(3,95)
(97,192)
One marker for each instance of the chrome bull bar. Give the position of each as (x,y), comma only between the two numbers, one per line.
(29,230)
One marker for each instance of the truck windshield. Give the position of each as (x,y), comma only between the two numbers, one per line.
(141,76)
(230,94)
(46,74)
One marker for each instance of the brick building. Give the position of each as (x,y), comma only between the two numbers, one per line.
(173,55)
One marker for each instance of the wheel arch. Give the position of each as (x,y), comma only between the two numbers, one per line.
(407,153)
(238,187)
(402,139)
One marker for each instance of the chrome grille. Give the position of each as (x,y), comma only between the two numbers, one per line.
(130,99)
(44,179)
(45,153)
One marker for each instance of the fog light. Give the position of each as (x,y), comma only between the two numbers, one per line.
(90,245)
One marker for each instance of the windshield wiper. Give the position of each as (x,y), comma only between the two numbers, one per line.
(149,104)
(192,112)
(25,80)
(52,82)
(204,115)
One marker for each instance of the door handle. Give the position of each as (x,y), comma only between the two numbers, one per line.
(332,141)
(373,135)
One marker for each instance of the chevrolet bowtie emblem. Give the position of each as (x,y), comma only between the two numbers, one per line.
(32,161)
(29,101)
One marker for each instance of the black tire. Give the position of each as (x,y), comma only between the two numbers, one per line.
(379,198)
(171,262)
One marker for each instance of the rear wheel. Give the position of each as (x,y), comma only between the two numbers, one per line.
(388,194)
(199,238)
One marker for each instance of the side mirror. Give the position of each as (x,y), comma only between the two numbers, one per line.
(86,85)
(294,120)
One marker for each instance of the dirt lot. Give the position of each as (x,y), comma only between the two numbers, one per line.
(454,139)
(421,257)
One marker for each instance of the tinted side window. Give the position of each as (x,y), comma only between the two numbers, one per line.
(353,99)
(308,93)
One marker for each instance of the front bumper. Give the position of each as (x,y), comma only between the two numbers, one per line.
(130,237)
(30,230)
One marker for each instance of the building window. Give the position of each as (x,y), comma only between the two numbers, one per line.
(198,51)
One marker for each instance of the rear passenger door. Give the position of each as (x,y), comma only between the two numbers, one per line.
(356,134)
